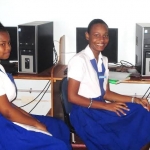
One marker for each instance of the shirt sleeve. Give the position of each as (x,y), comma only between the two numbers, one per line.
(76,68)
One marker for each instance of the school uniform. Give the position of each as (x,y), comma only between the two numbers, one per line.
(16,136)
(101,129)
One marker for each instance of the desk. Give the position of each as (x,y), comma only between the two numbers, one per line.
(138,80)
(135,80)
(55,73)
(45,75)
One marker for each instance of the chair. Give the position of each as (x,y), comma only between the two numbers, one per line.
(66,110)
(66,106)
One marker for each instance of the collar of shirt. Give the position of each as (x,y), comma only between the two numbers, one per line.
(2,69)
(90,54)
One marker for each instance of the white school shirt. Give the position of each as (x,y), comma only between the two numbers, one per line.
(7,87)
(81,69)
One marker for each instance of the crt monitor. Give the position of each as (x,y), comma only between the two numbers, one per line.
(111,51)
(13,37)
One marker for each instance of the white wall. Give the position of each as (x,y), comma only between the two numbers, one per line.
(69,14)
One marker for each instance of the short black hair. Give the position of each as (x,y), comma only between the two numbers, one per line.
(93,22)
(2,28)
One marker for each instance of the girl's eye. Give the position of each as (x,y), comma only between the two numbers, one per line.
(96,35)
(2,44)
(106,36)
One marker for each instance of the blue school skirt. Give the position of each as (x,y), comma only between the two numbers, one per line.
(105,130)
(14,137)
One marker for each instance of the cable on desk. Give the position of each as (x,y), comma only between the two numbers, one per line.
(126,63)
(56,56)
(122,66)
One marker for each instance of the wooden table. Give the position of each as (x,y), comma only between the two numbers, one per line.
(138,80)
(55,73)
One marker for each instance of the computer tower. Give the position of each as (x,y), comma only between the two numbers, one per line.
(143,48)
(35,46)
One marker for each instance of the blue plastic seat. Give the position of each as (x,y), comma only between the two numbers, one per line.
(66,105)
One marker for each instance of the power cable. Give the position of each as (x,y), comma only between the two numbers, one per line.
(146,93)
(48,84)
(40,99)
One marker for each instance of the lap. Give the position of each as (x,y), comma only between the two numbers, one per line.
(15,137)
(106,129)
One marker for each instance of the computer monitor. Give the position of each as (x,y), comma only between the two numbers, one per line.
(111,51)
(13,37)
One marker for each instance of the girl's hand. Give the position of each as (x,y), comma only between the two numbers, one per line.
(117,107)
(143,102)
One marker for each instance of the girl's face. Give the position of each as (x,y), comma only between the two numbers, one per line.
(5,46)
(98,38)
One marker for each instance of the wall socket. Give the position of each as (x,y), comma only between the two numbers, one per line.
(26,99)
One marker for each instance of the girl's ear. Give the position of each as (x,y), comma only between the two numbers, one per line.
(87,35)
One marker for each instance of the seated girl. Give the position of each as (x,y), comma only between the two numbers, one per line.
(18,129)
(122,124)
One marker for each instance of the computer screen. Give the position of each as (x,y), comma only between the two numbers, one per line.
(13,37)
(111,50)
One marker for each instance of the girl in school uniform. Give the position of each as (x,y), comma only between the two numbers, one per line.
(122,124)
(18,129)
